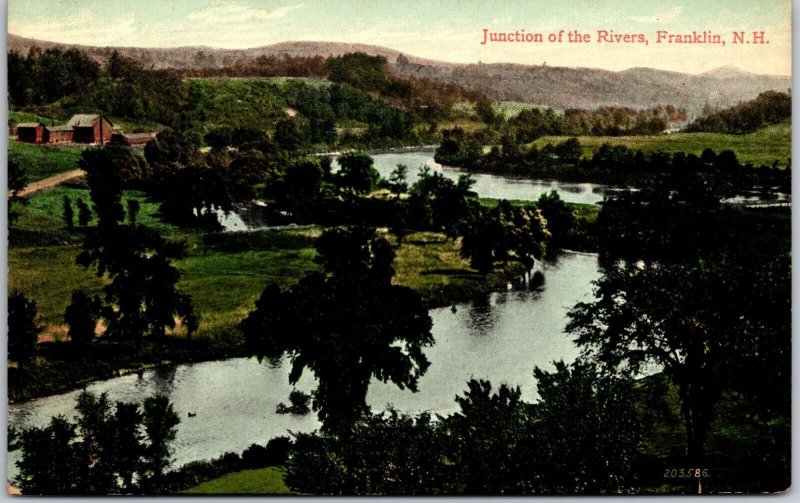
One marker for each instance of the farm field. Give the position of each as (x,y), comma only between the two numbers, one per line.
(764,146)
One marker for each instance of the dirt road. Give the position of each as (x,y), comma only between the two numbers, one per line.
(49,183)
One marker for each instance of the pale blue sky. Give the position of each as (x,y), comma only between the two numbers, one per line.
(448,30)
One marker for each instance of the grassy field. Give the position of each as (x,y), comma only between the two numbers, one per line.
(510,109)
(223,272)
(262,481)
(252,102)
(761,147)
(18,117)
(42,161)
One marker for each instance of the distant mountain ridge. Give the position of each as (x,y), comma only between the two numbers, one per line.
(558,87)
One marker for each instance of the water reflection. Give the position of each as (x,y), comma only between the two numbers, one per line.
(481,315)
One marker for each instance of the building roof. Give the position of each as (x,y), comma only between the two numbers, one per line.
(135,136)
(85,120)
(59,128)
(29,124)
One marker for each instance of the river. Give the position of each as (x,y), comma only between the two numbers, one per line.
(500,337)
(493,186)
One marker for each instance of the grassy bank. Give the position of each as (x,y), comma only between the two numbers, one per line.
(760,147)
(41,161)
(262,481)
(224,273)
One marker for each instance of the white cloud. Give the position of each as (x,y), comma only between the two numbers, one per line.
(666,16)
(83,28)
(232,13)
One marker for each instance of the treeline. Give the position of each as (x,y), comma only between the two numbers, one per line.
(531,124)
(770,107)
(363,72)
(616,165)
(46,76)
(60,83)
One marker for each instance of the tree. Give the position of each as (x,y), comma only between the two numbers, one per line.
(503,233)
(384,454)
(49,462)
(587,430)
(81,315)
(485,112)
(69,214)
(398,179)
(559,216)
(346,325)
(104,167)
(17,180)
(95,450)
(302,182)
(159,420)
(675,315)
(84,213)
(489,438)
(141,296)
(287,135)
(23,330)
(128,444)
(356,172)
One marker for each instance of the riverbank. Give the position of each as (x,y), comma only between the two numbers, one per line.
(377,151)
(224,273)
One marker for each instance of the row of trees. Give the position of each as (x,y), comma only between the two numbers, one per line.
(531,124)
(610,164)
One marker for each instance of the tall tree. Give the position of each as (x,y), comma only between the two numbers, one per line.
(125,451)
(141,296)
(23,329)
(81,316)
(17,180)
(346,325)
(160,420)
(69,213)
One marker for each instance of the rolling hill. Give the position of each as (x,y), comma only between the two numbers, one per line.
(557,87)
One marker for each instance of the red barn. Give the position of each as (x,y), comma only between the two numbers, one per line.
(90,128)
(30,132)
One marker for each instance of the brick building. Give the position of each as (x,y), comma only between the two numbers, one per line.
(90,128)
(30,132)
(81,128)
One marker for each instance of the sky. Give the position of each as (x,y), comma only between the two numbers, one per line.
(447,30)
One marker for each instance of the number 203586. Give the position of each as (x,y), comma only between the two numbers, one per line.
(686,473)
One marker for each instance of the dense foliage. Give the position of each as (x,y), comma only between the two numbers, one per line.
(122,449)
(581,437)
(680,272)
(531,124)
(770,107)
